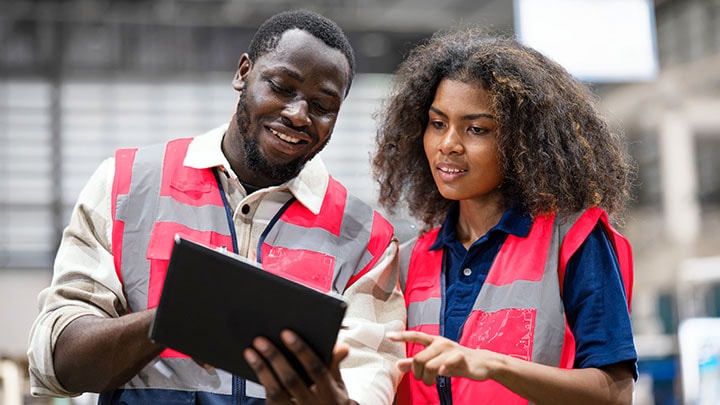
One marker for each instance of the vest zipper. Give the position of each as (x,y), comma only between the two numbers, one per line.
(238,388)
(444,391)
(443,383)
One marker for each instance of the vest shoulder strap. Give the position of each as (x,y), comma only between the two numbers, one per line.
(576,229)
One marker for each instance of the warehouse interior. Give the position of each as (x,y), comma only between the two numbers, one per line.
(79,78)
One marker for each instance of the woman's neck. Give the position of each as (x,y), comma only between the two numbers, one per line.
(476,219)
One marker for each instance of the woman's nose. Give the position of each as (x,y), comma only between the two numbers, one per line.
(450,142)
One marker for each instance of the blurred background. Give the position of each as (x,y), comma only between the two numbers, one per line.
(79,78)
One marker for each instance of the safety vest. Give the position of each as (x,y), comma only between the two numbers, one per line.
(155,197)
(519,310)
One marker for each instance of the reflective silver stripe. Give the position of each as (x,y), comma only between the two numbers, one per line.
(183,375)
(349,247)
(404,260)
(299,237)
(355,232)
(138,211)
(550,328)
(550,325)
(424,313)
(204,218)
(518,294)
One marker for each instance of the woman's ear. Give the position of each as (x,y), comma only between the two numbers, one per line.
(244,66)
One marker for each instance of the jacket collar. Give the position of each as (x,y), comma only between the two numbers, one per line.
(514,221)
(308,187)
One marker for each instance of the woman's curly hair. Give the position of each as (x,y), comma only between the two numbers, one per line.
(557,153)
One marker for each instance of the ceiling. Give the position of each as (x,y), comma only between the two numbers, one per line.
(352,15)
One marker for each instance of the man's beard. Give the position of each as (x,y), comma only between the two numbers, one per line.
(280,172)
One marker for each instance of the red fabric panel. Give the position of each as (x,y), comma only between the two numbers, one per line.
(313,269)
(510,331)
(187,185)
(522,255)
(424,279)
(160,249)
(331,212)
(124,160)
(376,245)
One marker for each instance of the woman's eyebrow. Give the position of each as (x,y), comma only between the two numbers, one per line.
(466,117)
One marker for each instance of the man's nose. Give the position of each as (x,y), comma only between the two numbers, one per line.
(297,112)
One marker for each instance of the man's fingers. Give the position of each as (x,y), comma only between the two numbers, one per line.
(340,352)
(270,367)
(282,383)
(315,368)
(328,385)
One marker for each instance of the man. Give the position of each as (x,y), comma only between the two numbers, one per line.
(252,185)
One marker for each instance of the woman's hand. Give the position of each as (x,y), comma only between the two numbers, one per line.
(443,357)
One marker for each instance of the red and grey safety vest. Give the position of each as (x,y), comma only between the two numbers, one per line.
(154,197)
(519,310)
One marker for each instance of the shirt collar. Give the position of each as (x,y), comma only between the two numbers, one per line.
(515,221)
(308,187)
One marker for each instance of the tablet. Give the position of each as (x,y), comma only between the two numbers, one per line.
(214,303)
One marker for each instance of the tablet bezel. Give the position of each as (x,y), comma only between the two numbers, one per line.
(201,314)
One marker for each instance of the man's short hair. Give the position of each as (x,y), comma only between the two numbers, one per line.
(268,35)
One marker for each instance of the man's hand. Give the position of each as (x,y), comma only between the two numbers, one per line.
(284,386)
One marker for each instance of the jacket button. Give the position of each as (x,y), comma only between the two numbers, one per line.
(467,271)
(245,209)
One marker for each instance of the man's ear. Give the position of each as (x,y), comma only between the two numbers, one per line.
(243,69)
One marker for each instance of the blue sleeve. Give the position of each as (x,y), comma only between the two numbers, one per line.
(595,305)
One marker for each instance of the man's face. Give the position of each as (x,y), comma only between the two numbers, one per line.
(288,105)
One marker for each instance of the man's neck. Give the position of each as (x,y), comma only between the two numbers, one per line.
(249,188)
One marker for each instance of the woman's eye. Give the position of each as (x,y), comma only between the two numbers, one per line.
(437,124)
(477,130)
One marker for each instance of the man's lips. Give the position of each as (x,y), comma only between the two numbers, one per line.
(285,137)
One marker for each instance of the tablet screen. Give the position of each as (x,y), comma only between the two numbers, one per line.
(215,303)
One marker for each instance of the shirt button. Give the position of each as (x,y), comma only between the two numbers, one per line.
(245,209)
(467,271)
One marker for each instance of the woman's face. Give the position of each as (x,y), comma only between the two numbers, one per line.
(461,142)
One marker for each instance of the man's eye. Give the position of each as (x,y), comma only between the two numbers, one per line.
(278,88)
(321,108)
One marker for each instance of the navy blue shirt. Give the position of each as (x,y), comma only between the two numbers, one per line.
(593,291)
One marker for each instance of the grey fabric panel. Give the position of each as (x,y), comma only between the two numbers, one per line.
(203,218)
(425,312)
(181,374)
(141,206)
(550,327)
(519,294)
(404,260)
(349,247)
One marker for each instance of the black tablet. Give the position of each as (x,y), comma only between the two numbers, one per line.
(214,303)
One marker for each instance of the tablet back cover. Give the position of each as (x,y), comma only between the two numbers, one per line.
(214,304)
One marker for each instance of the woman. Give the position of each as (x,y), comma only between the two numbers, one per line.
(519,289)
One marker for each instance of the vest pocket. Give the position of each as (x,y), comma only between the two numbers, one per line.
(510,331)
(313,269)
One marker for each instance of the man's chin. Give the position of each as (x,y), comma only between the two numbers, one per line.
(276,173)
